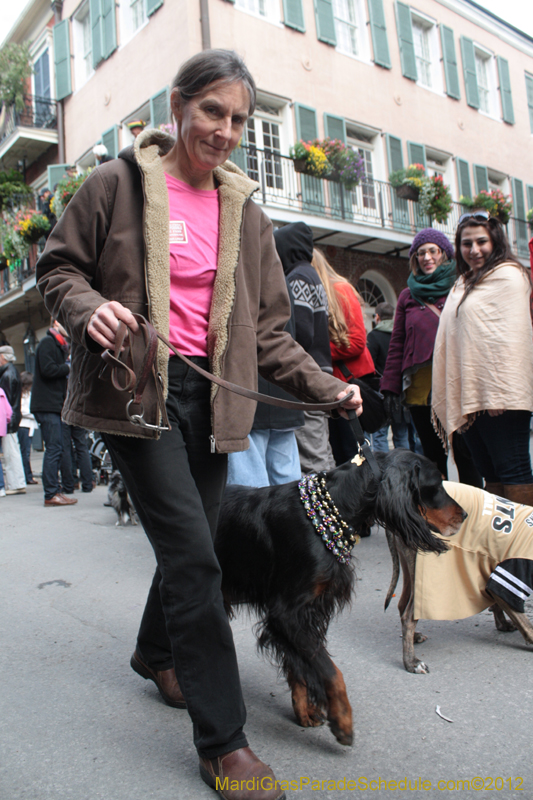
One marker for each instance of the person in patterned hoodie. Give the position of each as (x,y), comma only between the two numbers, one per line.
(294,244)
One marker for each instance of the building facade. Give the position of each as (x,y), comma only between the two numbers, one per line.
(440,82)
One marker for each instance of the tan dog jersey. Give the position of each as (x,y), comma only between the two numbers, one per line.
(493,550)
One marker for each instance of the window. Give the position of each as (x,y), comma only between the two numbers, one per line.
(479,68)
(350,28)
(529,92)
(261,148)
(83,49)
(42,90)
(133,17)
(419,47)
(267,9)
(483,85)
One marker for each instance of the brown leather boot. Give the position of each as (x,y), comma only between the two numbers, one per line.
(240,775)
(495,488)
(519,493)
(165,680)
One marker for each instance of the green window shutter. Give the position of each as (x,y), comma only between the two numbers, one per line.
(378,29)
(293,14)
(109,27)
(325,24)
(61,34)
(469,72)
(406,42)
(110,140)
(416,153)
(481,178)
(306,124)
(96,31)
(335,127)
(451,70)
(56,172)
(463,178)
(159,109)
(529,91)
(519,208)
(394,152)
(529,195)
(152,5)
(505,90)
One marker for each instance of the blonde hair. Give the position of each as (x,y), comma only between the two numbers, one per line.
(338,329)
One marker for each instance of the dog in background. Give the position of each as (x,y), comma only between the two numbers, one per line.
(119,499)
(489,565)
(273,560)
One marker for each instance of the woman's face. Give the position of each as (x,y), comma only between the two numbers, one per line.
(430,256)
(211,124)
(476,246)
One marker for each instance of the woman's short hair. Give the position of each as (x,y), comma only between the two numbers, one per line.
(209,66)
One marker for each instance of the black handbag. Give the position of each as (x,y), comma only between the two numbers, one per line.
(374,415)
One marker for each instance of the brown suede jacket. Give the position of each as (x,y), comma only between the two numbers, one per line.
(111,243)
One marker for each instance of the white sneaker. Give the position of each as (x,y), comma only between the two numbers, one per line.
(2,492)
(15,491)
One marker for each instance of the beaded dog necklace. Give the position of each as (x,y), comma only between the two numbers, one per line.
(337,535)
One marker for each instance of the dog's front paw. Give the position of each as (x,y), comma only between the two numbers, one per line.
(418,667)
(419,637)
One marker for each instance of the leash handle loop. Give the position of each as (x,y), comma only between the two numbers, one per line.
(136,380)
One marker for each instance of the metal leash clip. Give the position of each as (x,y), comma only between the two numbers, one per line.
(138,419)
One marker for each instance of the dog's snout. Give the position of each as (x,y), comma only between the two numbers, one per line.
(464,515)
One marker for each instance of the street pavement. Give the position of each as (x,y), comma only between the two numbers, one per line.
(77,724)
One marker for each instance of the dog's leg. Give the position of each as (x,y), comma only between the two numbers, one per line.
(339,708)
(307,714)
(520,620)
(406,608)
(500,620)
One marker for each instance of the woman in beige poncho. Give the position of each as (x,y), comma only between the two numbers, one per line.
(483,361)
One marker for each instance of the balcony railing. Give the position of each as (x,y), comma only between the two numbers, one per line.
(38,112)
(373,203)
(14,276)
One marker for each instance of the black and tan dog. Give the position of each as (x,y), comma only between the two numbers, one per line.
(273,560)
(489,565)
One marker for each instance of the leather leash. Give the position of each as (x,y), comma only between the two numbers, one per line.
(121,360)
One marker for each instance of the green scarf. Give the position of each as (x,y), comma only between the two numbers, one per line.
(428,288)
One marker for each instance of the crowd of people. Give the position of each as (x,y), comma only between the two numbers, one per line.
(452,361)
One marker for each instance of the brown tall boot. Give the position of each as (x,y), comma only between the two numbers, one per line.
(519,493)
(495,488)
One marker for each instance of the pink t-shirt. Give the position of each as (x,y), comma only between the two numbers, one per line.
(193,242)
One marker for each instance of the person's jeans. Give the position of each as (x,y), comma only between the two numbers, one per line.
(176,485)
(271,459)
(25,451)
(400,437)
(500,447)
(53,441)
(73,435)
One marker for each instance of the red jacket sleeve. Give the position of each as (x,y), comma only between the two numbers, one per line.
(356,326)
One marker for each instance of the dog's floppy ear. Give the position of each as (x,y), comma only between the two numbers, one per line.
(398,508)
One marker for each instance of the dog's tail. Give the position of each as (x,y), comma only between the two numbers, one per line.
(391,541)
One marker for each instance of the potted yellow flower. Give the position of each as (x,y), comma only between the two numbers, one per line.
(408,182)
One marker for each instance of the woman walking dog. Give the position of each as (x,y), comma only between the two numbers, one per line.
(221,299)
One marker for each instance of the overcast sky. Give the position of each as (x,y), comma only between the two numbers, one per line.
(517,12)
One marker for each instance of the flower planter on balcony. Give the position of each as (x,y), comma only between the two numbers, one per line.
(408,192)
(300,165)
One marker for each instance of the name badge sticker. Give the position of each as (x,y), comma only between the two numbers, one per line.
(177,232)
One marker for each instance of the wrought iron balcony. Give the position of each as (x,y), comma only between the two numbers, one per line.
(373,204)
(27,133)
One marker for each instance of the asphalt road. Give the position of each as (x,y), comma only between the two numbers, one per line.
(77,724)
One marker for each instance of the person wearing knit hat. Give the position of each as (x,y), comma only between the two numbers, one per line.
(407,376)
(136,127)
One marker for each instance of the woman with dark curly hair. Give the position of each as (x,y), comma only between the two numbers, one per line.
(482,366)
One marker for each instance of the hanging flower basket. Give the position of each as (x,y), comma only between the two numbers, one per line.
(300,165)
(407,192)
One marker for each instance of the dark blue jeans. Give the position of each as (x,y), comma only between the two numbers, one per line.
(25,451)
(500,447)
(53,441)
(80,459)
(176,485)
